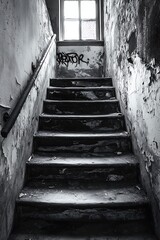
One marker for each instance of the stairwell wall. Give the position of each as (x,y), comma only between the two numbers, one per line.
(25,32)
(132,50)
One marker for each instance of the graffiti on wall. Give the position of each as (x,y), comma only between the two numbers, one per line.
(73,58)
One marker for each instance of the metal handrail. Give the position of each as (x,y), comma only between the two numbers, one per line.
(11,118)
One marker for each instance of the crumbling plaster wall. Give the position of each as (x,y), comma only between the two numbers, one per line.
(132,47)
(25,32)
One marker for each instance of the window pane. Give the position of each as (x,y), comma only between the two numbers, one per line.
(71,30)
(88,9)
(89,30)
(71,9)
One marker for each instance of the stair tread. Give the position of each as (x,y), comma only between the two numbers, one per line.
(81,88)
(121,134)
(108,197)
(82,101)
(111,115)
(82,160)
(82,78)
(71,237)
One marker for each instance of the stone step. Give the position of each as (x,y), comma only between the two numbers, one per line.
(82,142)
(35,229)
(80,93)
(109,198)
(89,169)
(81,82)
(81,204)
(82,123)
(71,237)
(81,107)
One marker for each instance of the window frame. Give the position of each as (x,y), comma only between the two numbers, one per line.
(97,20)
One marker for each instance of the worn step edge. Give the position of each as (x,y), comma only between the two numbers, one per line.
(81,88)
(111,115)
(80,161)
(82,78)
(122,134)
(81,101)
(110,198)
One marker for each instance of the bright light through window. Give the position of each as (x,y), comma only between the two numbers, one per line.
(88,9)
(88,30)
(71,9)
(80,19)
(71,30)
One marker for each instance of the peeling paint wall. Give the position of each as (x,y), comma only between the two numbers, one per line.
(132,47)
(25,32)
(80,61)
(22,42)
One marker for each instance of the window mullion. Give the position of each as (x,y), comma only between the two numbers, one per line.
(62,19)
(97,20)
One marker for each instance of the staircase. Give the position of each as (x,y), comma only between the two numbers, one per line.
(82,181)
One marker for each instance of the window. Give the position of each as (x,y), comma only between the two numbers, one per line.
(80,20)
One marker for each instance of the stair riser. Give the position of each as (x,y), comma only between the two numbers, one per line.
(58,213)
(81,108)
(80,230)
(81,83)
(53,144)
(121,174)
(81,125)
(80,95)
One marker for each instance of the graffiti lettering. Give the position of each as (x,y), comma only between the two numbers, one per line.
(73,58)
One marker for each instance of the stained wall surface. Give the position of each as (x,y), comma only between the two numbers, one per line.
(25,32)
(80,60)
(132,48)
